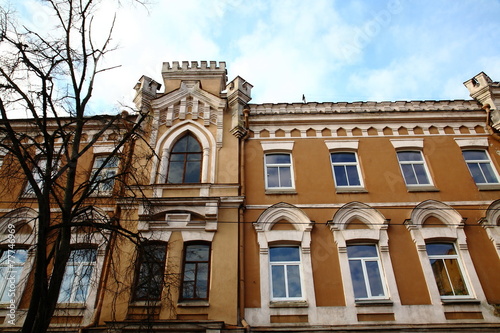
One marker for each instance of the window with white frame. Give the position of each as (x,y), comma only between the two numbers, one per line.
(480,166)
(366,273)
(345,169)
(447,270)
(279,172)
(11,266)
(285,267)
(413,167)
(77,277)
(106,168)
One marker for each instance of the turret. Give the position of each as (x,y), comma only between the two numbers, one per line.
(486,92)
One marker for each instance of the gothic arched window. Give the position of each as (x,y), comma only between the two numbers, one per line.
(185,161)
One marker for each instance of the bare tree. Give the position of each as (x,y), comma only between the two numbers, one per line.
(50,77)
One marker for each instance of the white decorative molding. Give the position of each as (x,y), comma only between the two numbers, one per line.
(342,144)
(268,146)
(472,142)
(413,143)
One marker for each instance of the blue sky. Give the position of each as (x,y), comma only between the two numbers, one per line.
(330,51)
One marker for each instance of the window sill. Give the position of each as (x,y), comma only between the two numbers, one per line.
(288,304)
(185,304)
(488,187)
(281,191)
(341,190)
(458,301)
(374,302)
(78,306)
(145,303)
(421,188)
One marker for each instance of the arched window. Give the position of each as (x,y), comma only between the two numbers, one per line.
(185,161)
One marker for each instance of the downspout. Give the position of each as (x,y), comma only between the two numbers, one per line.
(490,129)
(241,229)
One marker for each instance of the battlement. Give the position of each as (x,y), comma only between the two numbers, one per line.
(194,66)
(212,75)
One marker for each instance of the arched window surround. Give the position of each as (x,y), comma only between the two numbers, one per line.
(374,233)
(168,140)
(452,232)
(300,236)
(491,223)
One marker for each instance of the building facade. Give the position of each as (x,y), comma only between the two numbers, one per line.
(365,216)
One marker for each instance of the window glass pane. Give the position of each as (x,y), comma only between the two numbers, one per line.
(421,174)
(11,265)
(82,282)
(188,289)
(475,155)
(440,249)
(456,278)
(181,145)
(278,280)
(192,172)
(488,172)
(175,171)
(177,158)
(352,174)
(193,145)
(285,177)
(198,252)
(277,158)
(374,278)
(409,174)
(193,157)
(358,279)
(340,175)
(476,173)
(293,275)
(343,157)
(405,156)
(67,284)
(202,280)
(272,177)
(360,251)
(441,276)
(284,253)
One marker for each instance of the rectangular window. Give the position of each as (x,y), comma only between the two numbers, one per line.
(77,276)
(279,171)
(366,273)
(285,267)
(196,272)
(38,173)
(107,170)
(11,265)
(447,270)
(413,168)
(480,167)
(150,277)
(345,169)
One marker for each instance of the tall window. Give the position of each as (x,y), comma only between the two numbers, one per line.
(38,172)
(285,267)
(11,265)
(107,171)
(150,277)
(77,277)
(365,270)
(196,272)
(345,169)
(278,171)
(445,265)
(185,161)
(413,168)
(480,166)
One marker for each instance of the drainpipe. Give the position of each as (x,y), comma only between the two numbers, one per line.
(241,228)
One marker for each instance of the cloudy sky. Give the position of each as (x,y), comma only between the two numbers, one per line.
(330,51)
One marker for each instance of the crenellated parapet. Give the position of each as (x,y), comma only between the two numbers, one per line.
(212,75)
